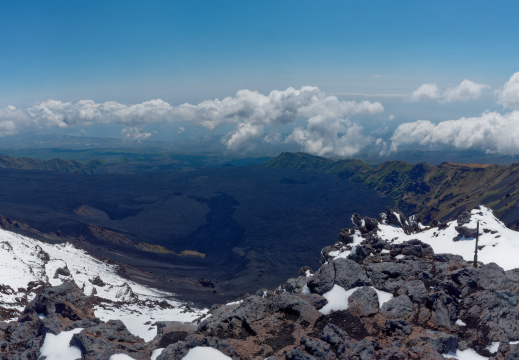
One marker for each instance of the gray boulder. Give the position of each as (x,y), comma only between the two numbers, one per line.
(363,302)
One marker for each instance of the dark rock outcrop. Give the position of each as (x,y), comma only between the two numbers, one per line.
(101,341)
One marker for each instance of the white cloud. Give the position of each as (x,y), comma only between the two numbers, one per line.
(135,133)
(240,139)
(491,132)
(274,138)
(509,95)
(54,113)
(328,127)
(466,90)
(330,136)
(426,92)
(12,120)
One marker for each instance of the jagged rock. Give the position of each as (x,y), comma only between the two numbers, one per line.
(412,248)
(349,274)
(296,284)
(359,253)
(101,341)
(322,281)
(379,273)
(97,281)
(443,308)
(415,289)
(398,219)
(465,232)
(306,271)
(66,302)
(491,316)
(345,236)
(316,300)
(398,326)
(398,307)
(62,271)
(464,218)
(317,348)
(170,332)
(363,302)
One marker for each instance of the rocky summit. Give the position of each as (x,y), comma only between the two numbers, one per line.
(382,292)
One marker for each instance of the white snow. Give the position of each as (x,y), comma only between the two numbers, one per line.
(399,256)
(383,296)
(338,298)
(305,290)
(493,347)
(500,244)
(468,354)
(460,323)
(56,347)
(155,353)
(121,357)
(25,259)
(205,353)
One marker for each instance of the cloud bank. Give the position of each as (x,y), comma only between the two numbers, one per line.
(466,90)
(509,95)
(328,127)
(492,132)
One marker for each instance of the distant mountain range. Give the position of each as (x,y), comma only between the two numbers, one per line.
(432,192)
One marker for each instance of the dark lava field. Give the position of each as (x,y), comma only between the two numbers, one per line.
(256,226)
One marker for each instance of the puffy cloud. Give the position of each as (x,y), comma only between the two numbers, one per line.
(240,139)
(492,132)
(426,92)
(466,90)
(135,133)
(274,138)
(54,113)
(509,95)
(327,130)
(12,120)
(330,136)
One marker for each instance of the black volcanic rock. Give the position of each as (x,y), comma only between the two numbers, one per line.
(101,341)
(438,304)
(363,302)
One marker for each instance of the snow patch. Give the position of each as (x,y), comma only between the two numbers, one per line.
(121,357)
(468,354)
(460,323)
(338,298)
(205,353)
(155,353)
(492,348)
(56,347)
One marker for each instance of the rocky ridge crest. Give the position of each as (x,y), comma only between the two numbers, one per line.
(378,300)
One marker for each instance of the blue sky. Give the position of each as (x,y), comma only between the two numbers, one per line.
(131,52)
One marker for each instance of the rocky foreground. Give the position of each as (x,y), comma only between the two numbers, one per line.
(380,299)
